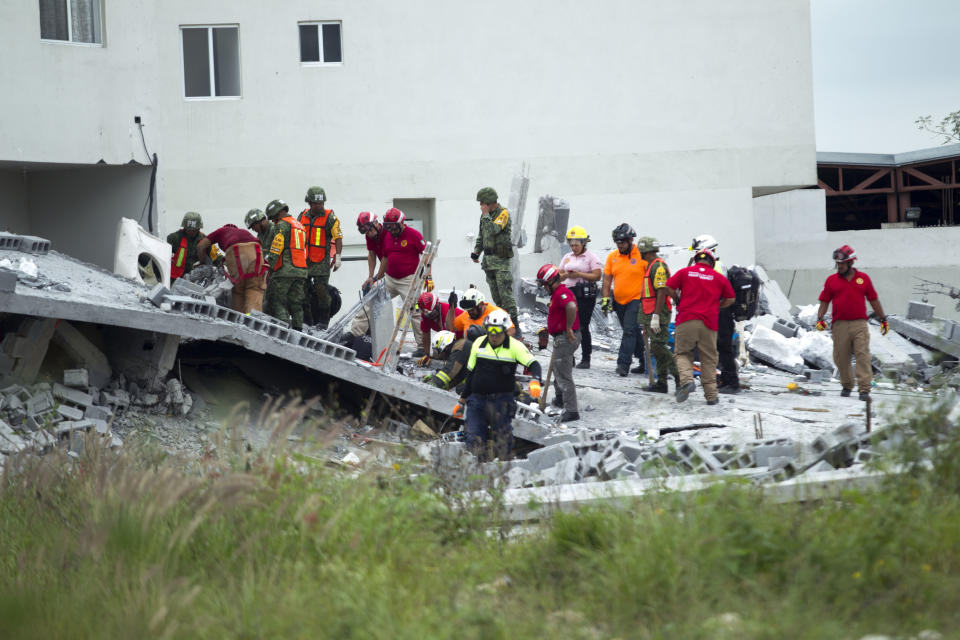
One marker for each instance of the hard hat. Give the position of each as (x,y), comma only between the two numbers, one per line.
(429,301)
(844,254)
(497,321)
(705,253)
(365,218)
(547,273)
(443,340)
(192,220)
(578,233)
(393,216)
(646,244)
(254,216)
(487,195)
(315,194)
(276,207)
(623,232)
(704,241)
(474,331)
(471,298)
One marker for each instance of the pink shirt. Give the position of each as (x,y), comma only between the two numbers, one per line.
(586,262)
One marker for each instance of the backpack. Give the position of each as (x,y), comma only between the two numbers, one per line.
(746,286)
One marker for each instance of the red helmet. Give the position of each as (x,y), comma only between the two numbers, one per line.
(429,301)
(547,273)
(705,253)
(393,216)
(365,218)
(844,254)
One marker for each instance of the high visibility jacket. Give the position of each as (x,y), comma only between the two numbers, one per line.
(296,243)
(318,233)
(178,263)
(653,281)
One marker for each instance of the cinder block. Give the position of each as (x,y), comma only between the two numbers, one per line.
(817,375)
(612,464)
(695,453)
(549,456)
(33,244)
(157,294)
(9,241)
(590,463)
(762,454)
(76,378)
(566,471)
(226,313)
(70,413)
(94,412)
(8,280)
(823,465)
(72,396)
(66,427)
(84,352)
(919,310)
(39,402)
(786,328)
(631,450)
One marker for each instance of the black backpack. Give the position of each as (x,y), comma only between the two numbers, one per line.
(746,286)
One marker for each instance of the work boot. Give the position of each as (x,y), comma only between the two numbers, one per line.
(845,393)
(622,371)
(584,364)
(713,402)
(660,386)
(683,392)
(639,369)
(557,401)
(864,395)
(569,416)
(729,389)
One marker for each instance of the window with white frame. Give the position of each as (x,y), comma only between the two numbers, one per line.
(71,21)
(320,43)
(211,61)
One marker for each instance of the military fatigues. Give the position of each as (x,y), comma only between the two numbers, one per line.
(284,298)
(266,238)
(494,242)
(318,271)
(190,257)
(656,278)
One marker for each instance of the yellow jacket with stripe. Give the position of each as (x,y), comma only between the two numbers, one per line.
(492,369)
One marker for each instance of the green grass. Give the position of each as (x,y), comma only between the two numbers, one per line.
(133,545)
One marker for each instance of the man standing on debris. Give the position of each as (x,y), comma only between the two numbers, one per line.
(184,243)
(323,239)
(493,241)
(702,292)
(489,389)
(432,313)
(288,266)
(581,270)
(245,266)
(655,312)
(624,270)
(729,379)
(256,221)
(563,324)
(372,231)
(847,289)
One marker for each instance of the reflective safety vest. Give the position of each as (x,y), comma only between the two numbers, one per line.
(178,263)
(317,231)
(297,243)
(648,293)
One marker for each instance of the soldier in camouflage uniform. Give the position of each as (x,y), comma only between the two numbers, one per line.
(256,221)
(494,243)
(184,243)
(288,267)
(654,313)
(323,235)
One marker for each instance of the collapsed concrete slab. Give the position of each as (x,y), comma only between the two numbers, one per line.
(938,333)
(774,349)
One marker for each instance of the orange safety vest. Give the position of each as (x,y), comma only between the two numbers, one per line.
(297,244)
(648,295)
(316,229)
(178,263)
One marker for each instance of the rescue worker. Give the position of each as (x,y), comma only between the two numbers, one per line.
(324,246)
(488,392)
(624,271)
(372,230)
(256,221)
(245,266)
(455,353)
(655,312)
(432,315)
(563,325)
(287,261)
(702,292)
(729,379)
(477,309)
(184,242)
(581,271)
(847,289)
(493,241)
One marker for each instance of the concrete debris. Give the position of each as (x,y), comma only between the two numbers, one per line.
(776,350)
(772,299)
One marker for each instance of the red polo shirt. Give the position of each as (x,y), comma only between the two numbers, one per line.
(426,324)
(376,244)
(848,296)
(402,253)
(229,235)
(701,289)
(557,312)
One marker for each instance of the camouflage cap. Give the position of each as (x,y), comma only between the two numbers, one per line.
(315,194)
(487,195)
(253,216)
(646,244)
(276,207)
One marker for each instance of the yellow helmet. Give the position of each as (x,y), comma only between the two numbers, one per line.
(578,233)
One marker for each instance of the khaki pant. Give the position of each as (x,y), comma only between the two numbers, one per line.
(563,351)
(852,338)
(247,294)
(690,335)
(395,287)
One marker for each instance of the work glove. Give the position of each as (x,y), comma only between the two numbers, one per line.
(475,257)
(452,299)
(655,323)
(884,327)
(821,325)
(428,284)
(336,262)
(543,338)
(606,305)
(424,361)
(427,378)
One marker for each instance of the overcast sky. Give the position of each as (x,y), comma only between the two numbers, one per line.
(877,66)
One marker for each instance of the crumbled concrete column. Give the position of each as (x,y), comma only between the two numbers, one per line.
(28,347)
(84,353)
(142,356)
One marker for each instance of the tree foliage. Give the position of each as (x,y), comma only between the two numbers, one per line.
(948,126)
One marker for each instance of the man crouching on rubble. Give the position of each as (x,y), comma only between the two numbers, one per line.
(489,389)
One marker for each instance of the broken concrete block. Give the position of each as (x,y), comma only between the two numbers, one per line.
(590,463)
(69,426)
(566,471)
(42,439)
(40,402)
(548,457)
(631,449)
(31,347)
(776,350)
(612,464)
(919,310)
(8,280)
(823,465)
(70,413)
(764,453)
(10,441)
(72,396)
(76,378)
(157,294)
(94,412)
(786,328)
(696,455)
(184,287)
(84,353)
(816,375)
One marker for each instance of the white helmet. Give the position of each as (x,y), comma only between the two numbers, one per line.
(704,241)
(443,340)
(471,298)
(497,318)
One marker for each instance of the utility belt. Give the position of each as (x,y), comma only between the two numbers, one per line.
(585,289)
(500,252)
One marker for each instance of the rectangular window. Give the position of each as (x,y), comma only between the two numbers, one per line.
(211,62)
(320,43)
(71,21)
